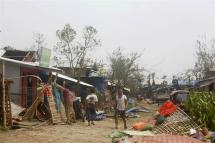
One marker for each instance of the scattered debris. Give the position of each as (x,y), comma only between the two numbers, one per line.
(28,125)
(177,123)
(137,109)
(100,115)
(116,134)
(138,133)
(162,138)
(16,109)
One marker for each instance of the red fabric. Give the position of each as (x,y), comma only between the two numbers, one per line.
(167,108)
(68,95)
(138,125)
(47,91)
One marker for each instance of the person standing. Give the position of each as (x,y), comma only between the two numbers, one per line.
(91,100)
(121,105)
(68,97)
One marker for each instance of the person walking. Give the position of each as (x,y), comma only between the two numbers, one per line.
(120,107)
(91,100)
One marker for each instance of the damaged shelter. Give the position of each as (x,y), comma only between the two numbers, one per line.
(20,84)
(25,77)
(26,87)
(206,84)
(53,102)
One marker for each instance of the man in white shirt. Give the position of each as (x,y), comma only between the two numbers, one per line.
(121,105)
(91,106)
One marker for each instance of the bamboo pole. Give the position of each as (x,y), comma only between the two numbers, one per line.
(3,90)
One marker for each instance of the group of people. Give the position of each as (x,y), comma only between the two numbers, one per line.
(121,104)
(91,105)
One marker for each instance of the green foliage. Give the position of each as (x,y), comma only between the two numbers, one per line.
(125,69)
(72,51)
(205,54)
(201,106)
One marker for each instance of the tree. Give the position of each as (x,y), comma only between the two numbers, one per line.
(125,70)
(75,53)
(135,81)
(149,80)
(39,43)
(164,83)
(65,49)
(90,41)
(153,78)
(205,57)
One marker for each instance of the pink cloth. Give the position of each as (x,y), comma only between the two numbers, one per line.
(68,95)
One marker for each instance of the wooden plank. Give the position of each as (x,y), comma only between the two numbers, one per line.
(56,117)
(31,111)
(63,113)
(3,94)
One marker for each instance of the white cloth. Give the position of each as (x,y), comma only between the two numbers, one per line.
(92,98)
(121,102)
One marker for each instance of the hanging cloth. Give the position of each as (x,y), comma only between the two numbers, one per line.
(57,97)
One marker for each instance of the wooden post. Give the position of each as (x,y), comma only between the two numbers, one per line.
(50,78)
(3,90)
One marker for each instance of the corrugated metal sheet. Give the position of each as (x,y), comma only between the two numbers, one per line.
(29,64)
(71,79)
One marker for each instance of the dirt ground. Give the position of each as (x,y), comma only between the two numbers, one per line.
(76,133)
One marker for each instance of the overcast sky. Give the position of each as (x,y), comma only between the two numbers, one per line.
(165,31)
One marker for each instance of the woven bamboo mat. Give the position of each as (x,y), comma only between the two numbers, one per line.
(177,123)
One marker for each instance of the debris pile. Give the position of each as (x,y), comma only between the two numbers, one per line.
(170,125)
(161,138)
(48,107)
(176,123)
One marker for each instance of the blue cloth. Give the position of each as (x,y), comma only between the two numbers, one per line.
(57,98)
(100,116)
(98,82)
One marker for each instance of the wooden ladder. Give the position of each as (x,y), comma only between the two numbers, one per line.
(7,107)
(56,116)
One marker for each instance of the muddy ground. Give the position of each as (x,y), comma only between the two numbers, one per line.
(76,133)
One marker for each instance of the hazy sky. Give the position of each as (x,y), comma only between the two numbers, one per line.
(165,31)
